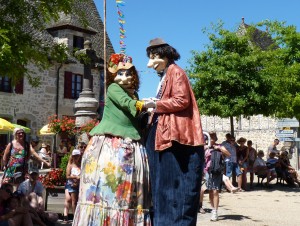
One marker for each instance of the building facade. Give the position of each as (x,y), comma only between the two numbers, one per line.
(61,83)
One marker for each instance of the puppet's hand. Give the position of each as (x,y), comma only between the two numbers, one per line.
(149,104)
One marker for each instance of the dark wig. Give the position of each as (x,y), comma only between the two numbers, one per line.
(164,50)
(135,78)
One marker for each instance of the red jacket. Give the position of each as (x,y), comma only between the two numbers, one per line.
(179,117)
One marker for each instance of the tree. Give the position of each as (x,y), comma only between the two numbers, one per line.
(285,69)
(227,77)
(22,22)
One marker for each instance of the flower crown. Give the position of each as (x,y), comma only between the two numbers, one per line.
(116,59)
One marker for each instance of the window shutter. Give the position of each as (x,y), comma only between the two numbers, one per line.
(19,88)
(68,85)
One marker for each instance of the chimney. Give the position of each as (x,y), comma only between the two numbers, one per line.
(243,20)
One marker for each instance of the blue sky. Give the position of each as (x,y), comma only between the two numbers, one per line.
(180,23)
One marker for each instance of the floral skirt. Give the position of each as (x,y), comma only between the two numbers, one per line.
(114,184)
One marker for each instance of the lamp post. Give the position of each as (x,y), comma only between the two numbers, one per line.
(86,105)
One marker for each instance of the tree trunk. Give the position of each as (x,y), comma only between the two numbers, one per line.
(231,126)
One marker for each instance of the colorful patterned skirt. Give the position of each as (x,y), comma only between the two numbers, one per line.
(114,184)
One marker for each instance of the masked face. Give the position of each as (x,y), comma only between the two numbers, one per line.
(157,63)
(124,78)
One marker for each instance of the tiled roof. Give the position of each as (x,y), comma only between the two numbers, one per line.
(95,26)
(260,38)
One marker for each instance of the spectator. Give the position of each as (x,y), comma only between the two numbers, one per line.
(251,159)
(62,148)
(261,169)
(214,181)
(289,173)
(242,156)
(231,161)
(72,185)
(44,153)
(70,146)
(273,148)
(15,157)
(81,146)
(32,190)
(15,217)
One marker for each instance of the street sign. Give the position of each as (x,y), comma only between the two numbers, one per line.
(287,122)
(286,139)
(284,135)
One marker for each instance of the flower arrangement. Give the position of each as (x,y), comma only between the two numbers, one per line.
(53,178)
(66,124)
(88,126)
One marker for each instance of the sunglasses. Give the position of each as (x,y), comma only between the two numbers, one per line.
(82,147)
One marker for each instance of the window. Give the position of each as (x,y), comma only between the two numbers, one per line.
(73,85)
(22,122)
(78,42)
(5,84)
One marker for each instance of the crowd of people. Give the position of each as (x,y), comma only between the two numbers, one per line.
(240,158)
(144,161)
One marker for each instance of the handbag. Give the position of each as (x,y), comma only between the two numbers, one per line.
(19,174)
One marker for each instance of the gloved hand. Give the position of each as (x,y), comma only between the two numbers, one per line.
(149,104)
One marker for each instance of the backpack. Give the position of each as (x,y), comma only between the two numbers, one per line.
(217,163)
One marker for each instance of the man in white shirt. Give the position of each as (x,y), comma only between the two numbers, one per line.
(273,148)
(260,168)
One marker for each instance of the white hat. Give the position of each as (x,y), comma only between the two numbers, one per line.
(17,130)
(76,152)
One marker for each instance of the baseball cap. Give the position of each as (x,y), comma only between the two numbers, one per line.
(76,152)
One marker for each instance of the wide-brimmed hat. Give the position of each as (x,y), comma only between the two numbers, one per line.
(157,42)
(119,61)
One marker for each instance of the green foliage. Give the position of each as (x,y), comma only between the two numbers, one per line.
(227,78)
(20,45)
(249,72)
(64,163)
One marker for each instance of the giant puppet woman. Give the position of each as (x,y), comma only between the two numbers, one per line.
(175,141)
(114,187)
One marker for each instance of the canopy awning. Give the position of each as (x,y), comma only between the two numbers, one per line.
(45,131)
(26,129)
(5,126)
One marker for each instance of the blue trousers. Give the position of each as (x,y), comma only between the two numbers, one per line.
(175,176)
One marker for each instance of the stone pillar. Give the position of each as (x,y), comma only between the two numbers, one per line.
(86,105)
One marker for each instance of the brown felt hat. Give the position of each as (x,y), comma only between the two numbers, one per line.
(157,42)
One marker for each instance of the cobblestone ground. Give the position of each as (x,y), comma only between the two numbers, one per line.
(277,206)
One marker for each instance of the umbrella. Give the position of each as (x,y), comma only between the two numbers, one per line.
(5,126)
(45,131)
(26,129)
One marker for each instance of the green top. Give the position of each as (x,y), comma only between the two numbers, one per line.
(119,115)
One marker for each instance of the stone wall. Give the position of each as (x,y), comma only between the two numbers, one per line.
(36,104)
(259,129)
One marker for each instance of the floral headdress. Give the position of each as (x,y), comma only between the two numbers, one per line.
(119,61)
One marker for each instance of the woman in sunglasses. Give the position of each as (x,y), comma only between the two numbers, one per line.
(15,158)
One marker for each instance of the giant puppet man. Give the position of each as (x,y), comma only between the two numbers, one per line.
(175,141)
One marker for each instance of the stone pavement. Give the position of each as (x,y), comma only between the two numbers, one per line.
(278,206)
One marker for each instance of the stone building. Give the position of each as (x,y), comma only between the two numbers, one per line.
(61,83)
